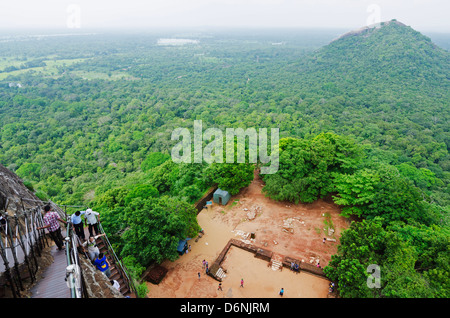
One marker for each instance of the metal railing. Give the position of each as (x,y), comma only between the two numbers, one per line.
(118,262)
(20,241)
(120,266)
(62,211)
(74,273)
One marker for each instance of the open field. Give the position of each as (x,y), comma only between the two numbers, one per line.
(51,68)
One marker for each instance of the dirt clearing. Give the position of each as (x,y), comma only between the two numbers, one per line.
(295,230)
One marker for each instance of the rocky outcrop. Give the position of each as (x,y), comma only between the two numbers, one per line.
(15,197)
(96,283)
(12,190)
(366,30)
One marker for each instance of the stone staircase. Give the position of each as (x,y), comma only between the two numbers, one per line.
(276,262)
(116,272)
(216,272)
(220,273)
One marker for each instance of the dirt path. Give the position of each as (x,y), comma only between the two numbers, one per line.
(284,228)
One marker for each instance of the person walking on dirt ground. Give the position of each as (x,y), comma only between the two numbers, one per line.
(281,292)
(220,287)
(242,282)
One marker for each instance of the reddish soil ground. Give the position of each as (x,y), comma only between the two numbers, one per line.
(295,230)
(309,224)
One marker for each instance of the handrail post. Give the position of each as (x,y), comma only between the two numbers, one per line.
(40,222)
(69,275)
(7,268)
(16,262)
(130,283)
(22,246)
(36,234)
(83,284)
(31,244)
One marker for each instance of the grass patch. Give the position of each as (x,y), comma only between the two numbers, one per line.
(328,223)
(230,206)
(50,69)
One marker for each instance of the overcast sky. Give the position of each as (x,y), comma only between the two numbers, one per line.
(422,15)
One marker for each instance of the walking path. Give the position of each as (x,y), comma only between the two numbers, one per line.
(52,283)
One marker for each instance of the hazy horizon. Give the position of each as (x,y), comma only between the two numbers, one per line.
(138,15)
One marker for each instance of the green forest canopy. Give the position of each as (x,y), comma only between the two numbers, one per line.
(364,119)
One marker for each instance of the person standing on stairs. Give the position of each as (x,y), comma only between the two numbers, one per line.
(103,265)
(92,222)
(115,284)
(78,224)
(51,219)
(91,244)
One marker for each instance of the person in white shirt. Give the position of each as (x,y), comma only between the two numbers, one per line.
(115,284)
(91,220)
(91,243)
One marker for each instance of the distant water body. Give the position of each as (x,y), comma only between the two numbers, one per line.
(173,41)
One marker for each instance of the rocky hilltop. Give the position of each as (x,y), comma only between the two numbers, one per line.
(368,29)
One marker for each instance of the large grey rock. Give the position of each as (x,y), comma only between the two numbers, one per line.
(13,189)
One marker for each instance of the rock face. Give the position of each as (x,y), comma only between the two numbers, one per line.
(12,190)
(97,284)
(366,30)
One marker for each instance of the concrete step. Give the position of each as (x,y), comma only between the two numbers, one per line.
(220,273)
(276,264)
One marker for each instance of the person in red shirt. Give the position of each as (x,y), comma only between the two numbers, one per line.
(51,220)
